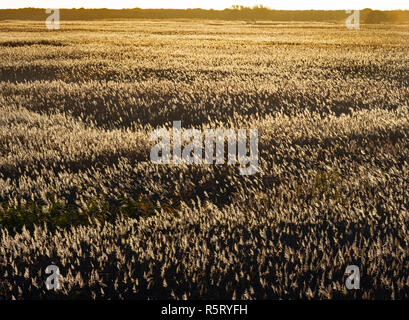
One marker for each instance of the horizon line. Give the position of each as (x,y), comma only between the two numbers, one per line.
(199,8)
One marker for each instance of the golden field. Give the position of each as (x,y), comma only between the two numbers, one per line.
(78,190)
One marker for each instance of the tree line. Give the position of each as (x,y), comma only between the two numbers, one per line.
(256,13)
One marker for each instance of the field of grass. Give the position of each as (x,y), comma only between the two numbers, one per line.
(78,189)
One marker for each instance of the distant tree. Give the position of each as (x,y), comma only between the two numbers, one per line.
(376,16)
(399,17)
(236,12)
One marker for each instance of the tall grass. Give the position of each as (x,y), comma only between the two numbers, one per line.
(77,188)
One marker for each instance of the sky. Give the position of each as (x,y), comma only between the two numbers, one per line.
(209,4)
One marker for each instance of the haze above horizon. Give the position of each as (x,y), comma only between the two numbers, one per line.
(208,4)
